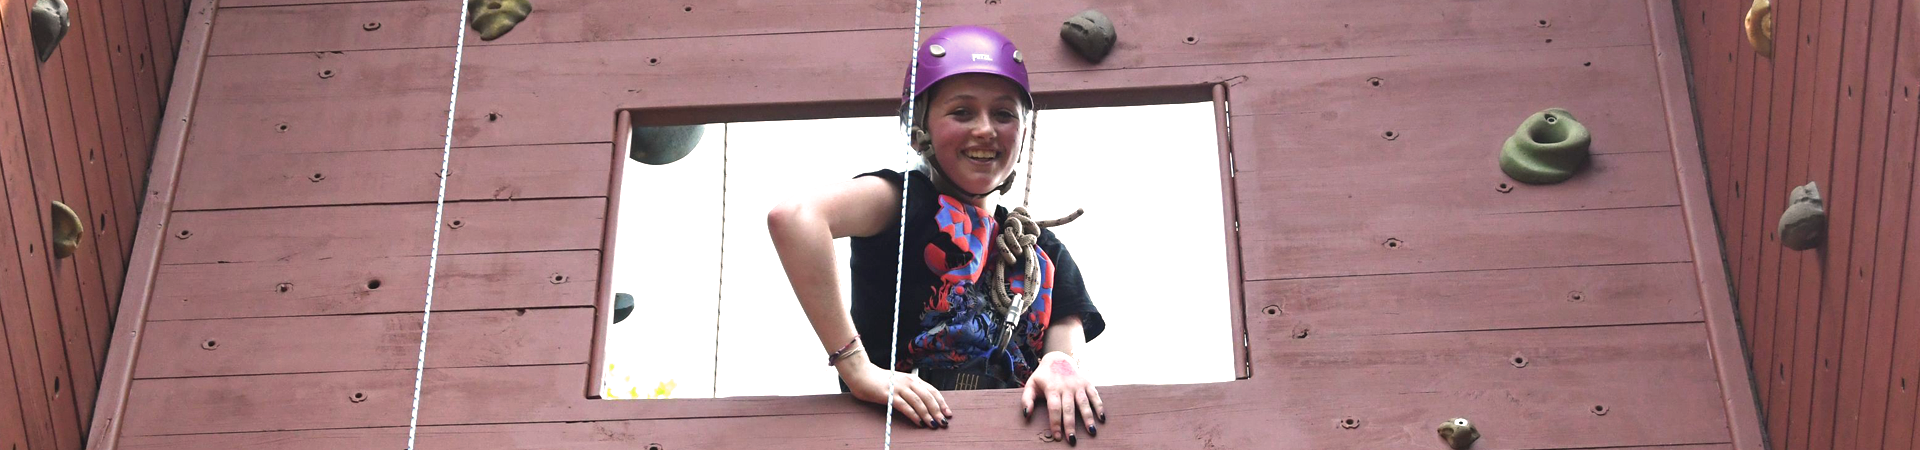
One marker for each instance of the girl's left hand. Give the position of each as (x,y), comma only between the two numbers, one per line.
(1067,392)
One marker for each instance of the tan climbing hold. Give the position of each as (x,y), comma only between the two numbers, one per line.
(1458,433)
(67,230)
(1759,26)
(494,18)
(1804,225)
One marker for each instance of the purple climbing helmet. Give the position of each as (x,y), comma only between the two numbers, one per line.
(959,50)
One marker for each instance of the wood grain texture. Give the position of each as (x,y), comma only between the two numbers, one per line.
(1837,96)
(841,430)
(536,108)
(76,278)
(283,345)
(1395,404)
(1903,118)
(13,423)
(1438,244)
(1865,233)
(1742,412)
(257,180)
(1888,282)
(107,184)
(117,377)
(136,138)
(382,285)
(1751,166)
(322,233)
(1813,135)
(1474,301)
(1441,186)
(1826,333)
(1796,271)
(39,185)
(18,269)
(1224,31)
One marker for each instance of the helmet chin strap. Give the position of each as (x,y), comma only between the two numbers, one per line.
(940,181)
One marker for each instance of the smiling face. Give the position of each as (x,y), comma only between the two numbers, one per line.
(974,121)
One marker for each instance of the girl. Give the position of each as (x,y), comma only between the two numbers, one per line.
(968,122)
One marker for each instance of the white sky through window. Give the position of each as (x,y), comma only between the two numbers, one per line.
(1152,248)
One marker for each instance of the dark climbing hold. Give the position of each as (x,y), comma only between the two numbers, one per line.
(1090,34)
(622,307)
(664,145)
(1804,225)
(494,18)
(1548,148)
(49,24)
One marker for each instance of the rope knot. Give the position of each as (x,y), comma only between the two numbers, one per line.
(1019,235)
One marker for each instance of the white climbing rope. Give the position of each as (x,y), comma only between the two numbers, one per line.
(439,210)
(906,183)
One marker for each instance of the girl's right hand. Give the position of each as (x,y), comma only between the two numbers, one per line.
(912,396)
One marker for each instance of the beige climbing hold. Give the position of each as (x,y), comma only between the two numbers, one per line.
(67,230)
(494,18)
(1804,224)
(1759,26)
(1458,433)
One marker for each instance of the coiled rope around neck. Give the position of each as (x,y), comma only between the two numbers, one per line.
(1018,236)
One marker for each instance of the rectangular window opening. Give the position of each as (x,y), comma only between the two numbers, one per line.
(705,310)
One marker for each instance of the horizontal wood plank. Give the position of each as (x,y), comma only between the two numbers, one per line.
(1278,250)
(826,430)
(373,231)
(1329,114)
(270,179)
(282,345)
(1153,32)
(1648,376)
(1444,185)
(566,92)
(1470,301)
(376,285)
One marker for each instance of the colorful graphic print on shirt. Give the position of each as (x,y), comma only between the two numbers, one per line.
(959,321)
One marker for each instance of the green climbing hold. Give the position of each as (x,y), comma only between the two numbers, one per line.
(1548,148)
(494,18)
(664,145)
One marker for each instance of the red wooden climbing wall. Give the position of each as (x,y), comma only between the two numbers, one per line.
(1592,313)
(77,129)
(1833,333)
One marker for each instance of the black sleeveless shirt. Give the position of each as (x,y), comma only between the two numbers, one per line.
(942,318)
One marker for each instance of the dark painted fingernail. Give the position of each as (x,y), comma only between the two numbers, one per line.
(1093,432)
(943,424)
(1027,412)
(1072,441)
(1103,417)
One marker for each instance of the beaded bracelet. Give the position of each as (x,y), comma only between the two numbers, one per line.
(848,350)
